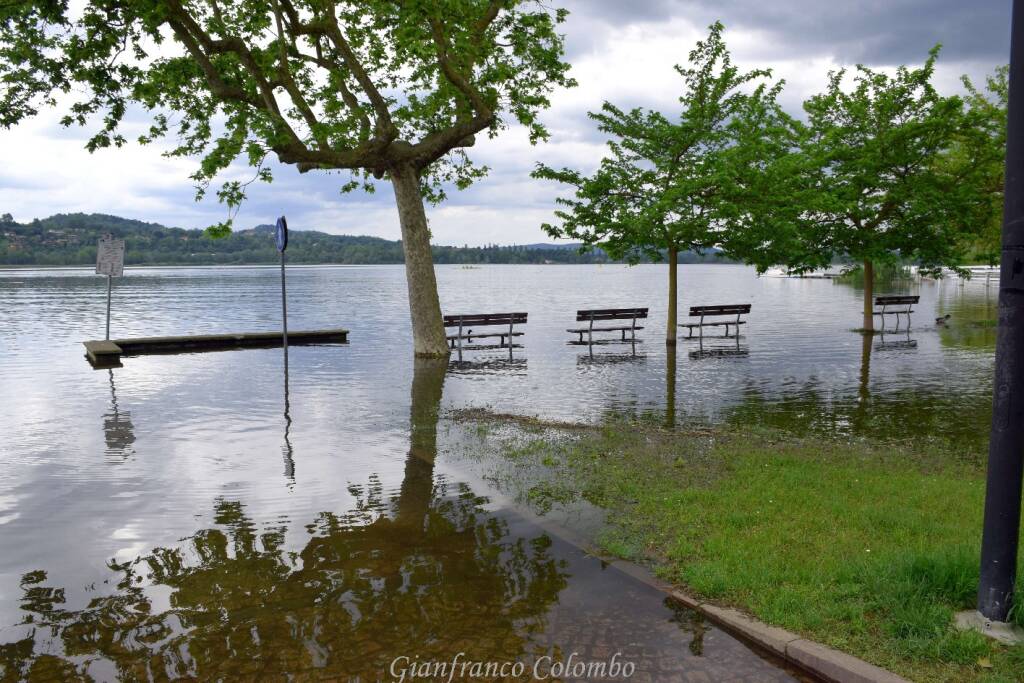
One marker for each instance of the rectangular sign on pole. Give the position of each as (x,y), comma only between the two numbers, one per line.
(110,257)
(109,262)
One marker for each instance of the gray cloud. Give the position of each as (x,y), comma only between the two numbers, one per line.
(877,32)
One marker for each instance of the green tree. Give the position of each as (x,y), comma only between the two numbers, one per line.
(378,88)
(979,157)
(671,185)
(875,188)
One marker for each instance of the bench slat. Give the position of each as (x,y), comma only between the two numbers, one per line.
(486,334)
(605,329)
(731,322)
(610,314)
(483,319)
(896,300)
(726,309)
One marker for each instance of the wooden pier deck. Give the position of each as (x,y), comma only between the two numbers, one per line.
(108,353)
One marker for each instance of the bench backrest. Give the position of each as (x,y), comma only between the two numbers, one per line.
(896,300)
(484,319)
(727,309)
(611,314)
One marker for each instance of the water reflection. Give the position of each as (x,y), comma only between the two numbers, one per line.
(286,450)
(591,358)
(864,386)
(888,340)
(670,385)
(118,430)
(506,367)
(426,572)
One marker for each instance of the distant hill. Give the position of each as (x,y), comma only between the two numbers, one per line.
(554,245)
(70,240)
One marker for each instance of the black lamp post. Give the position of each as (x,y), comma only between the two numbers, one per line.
(1001,535)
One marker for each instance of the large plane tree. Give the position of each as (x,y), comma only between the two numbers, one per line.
(393,89)
(676,183)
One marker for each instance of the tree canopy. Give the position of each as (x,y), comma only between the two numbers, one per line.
(979,156)
(359,86)
(872,179)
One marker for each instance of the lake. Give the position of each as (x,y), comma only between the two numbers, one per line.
(203,515)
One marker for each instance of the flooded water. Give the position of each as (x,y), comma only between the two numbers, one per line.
(203,515)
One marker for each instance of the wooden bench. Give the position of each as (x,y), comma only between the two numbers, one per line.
(737,310)
(903,305)
(606,315)
(468,324)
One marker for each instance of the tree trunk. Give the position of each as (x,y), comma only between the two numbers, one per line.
(673,266)
(869,300)
(427,327)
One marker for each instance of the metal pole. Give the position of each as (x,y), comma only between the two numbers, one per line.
(1001,534)
(284,315)
(109,278)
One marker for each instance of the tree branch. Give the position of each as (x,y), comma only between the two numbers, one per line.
(385,128)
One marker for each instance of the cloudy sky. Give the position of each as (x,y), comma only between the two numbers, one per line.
(621,51)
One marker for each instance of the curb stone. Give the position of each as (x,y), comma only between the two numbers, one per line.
(823,662)
(837,666)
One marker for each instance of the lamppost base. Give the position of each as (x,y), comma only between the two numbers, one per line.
(1004,632)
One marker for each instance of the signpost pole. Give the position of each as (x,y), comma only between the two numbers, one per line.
(281,239)
(284,313)
(109,278)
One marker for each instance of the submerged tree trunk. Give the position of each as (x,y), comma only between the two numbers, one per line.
(673,262)
(425,308)
(869,300)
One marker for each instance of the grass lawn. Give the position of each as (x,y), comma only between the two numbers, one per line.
(867,547)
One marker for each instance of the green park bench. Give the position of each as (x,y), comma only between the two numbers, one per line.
(897,306)
(605,318)
(468,326)
(737,310)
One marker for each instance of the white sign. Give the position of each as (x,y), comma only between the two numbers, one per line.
(110,256)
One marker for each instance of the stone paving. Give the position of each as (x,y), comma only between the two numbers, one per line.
(603,611)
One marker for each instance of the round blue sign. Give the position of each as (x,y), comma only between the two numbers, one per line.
(281,234)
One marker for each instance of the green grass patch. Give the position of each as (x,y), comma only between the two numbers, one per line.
(869,548)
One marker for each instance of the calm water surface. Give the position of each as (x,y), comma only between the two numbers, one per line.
(199,515)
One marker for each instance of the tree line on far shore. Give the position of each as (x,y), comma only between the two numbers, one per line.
(70,240)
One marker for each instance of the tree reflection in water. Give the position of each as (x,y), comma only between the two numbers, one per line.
(425,573)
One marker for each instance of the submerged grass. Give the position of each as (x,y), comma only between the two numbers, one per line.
(869,548)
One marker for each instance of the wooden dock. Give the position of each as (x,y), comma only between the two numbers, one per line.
(108,353)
